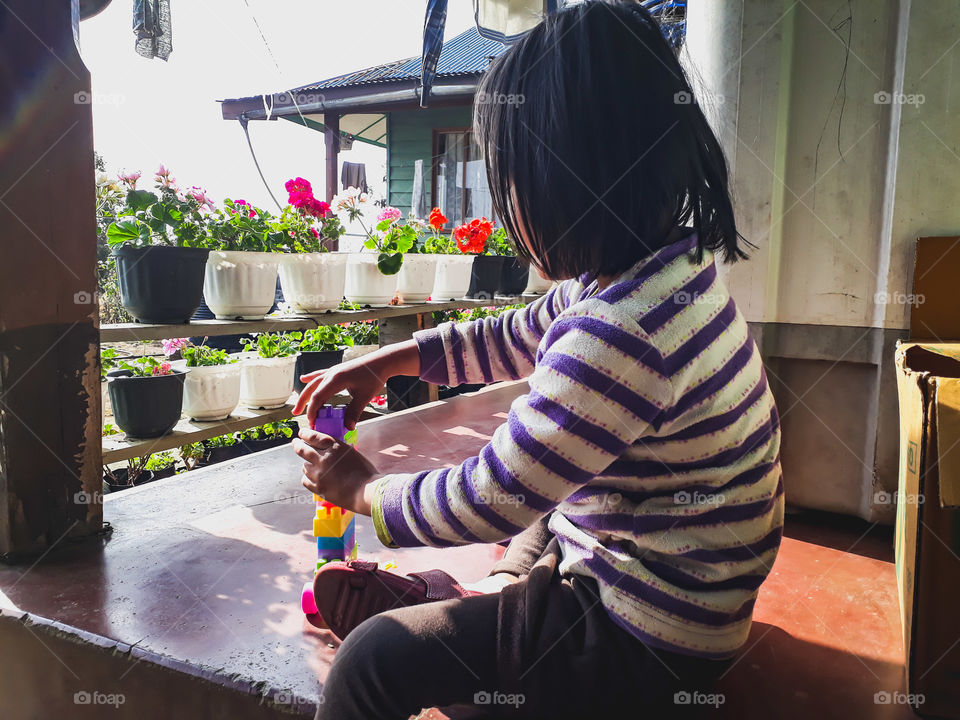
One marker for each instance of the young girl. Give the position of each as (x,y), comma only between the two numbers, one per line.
(639,477)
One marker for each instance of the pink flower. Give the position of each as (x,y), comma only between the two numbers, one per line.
(130,179)
(389,213)
(298,185)
(163,369)
(240,205)
(313,231)
(200,196)
(173,345)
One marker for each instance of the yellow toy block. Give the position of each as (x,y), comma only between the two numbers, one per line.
(331,522)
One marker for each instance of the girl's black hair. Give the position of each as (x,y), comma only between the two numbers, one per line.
(595,148)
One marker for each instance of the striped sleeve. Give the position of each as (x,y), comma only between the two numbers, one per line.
(490,349)
(598,386)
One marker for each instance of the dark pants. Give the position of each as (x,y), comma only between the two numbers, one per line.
(542,647)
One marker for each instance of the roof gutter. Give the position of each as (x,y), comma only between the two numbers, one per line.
(281,104)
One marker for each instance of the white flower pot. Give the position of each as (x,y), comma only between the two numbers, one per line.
(536,284)
(365,284)
(452,279)
(355,351)
(240,285)
(266,383)
(211,392)
(415,281)
(313,282)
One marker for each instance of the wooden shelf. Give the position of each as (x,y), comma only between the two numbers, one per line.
(127,332)
(120,447)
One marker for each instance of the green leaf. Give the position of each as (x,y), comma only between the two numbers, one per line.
(389,264)
(122,232)
(140,199)
(370,243)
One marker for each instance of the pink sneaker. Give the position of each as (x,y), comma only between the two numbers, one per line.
(347,593)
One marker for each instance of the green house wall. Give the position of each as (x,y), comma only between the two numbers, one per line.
(410,137)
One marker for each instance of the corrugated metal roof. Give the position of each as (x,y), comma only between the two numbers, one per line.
(466,54)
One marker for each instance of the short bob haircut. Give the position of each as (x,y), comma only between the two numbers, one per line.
(595,150)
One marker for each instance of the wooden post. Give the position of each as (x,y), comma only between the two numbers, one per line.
(50,462)
(331,139)
(406,392)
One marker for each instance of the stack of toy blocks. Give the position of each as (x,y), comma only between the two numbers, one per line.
(334,528)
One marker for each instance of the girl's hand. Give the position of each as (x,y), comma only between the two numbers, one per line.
(363,378)
(337,471)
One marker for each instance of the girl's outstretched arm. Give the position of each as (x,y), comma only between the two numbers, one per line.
(493,348)
(598,386)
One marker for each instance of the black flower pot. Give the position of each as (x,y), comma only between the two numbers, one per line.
(513,277)
(253,446)
(165,473)
(121,480)
(146,407)
(223,453)
(485,277)
(312,360)
(160,284)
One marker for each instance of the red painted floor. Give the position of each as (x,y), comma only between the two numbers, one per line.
(204,568)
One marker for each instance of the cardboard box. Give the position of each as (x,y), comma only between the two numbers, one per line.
(928,523)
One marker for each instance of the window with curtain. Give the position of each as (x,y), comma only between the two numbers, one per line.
(460,187)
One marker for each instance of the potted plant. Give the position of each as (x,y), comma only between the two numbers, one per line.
(192,454)
(473,237)
(222,448)
(371,276)
(451,279)
(514,272)
(161,465)
(266,372)
(264,437)
(312,278)
(147,396)
(117,479)
(417,271)
(536,283)
(211,390)
(366,338)
(157,242)
(108,357)
(320,348)
(240,281)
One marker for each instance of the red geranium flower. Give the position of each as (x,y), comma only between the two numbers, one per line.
(437,219)
(472,236)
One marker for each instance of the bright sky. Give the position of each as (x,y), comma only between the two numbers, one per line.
(147,112)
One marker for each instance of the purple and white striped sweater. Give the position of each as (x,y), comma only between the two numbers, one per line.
(649,436)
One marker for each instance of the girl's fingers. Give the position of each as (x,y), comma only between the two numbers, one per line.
(313,375)
(351,416)
(304,397)
(309,454)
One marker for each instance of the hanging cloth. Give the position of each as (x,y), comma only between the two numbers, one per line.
(354,175)
(151,25)
(507,20)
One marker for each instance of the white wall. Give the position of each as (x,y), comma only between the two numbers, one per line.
(834,230)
